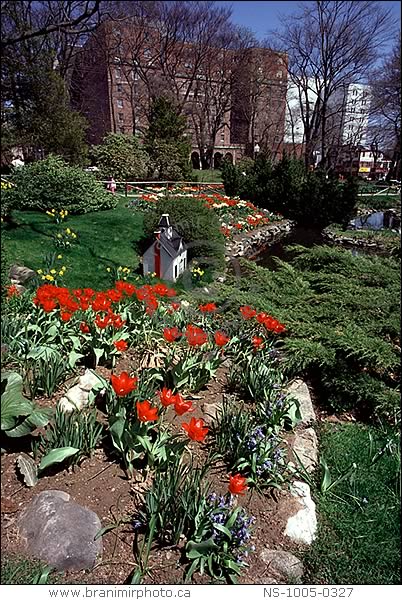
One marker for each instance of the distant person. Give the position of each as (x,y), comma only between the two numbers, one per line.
(111,186)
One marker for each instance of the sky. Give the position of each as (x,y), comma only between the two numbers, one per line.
(261,16)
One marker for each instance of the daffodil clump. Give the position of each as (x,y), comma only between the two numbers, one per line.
(197,273)
(52,275)
(65,238)
(119,273)
(58,216)
(6,185)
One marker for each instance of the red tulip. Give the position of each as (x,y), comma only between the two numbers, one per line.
(181,406)
(146,412)
(166,397)
(258,342)
(195,336)
(195,429)
(206,308)
(237,484)
(120,345)
(84,328)
(65,316)
(102,323)
(175,305)
(171,334)
(262,317)
(123,384)
(221,339)
(247,312)
(12,290)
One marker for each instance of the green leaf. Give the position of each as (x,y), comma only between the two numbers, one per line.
(98,354)
(198,549)
(13,403)
(73,357)
(223,529)
(326,480)
(43,577)
(28,469)
(56,456)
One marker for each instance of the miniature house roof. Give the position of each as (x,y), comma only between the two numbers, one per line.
(172,243)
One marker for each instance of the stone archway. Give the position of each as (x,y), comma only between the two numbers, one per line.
(195,160)
(229,157)
(218,160)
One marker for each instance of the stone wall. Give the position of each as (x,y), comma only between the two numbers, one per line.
(252,243)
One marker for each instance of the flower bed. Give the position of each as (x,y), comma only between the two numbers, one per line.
(235,215)
(152,420)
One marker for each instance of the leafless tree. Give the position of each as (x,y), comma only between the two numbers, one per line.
(386,106)
(330,44)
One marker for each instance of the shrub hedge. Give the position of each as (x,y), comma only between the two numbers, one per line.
(51,183)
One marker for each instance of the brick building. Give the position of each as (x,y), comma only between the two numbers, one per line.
(232,98)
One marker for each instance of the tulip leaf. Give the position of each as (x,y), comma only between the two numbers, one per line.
(73,357)
(56,456)
(199,549)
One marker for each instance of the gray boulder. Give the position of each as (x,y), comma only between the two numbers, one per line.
(60,532)
(283,563)
(19,275)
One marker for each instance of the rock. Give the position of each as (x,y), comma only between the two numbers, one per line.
(61,532)
(211,412)
(305,445)
(20,274)
(283,563)
(299,390)
(88,380)
(302,526)
(74,399)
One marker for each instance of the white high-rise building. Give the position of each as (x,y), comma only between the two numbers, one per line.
(348,114)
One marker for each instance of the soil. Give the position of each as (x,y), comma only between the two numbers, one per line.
(102,486)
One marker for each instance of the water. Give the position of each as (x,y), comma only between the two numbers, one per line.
(376,221)
(300,236)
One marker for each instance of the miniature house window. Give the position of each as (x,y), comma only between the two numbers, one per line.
(175,271)
(119,103)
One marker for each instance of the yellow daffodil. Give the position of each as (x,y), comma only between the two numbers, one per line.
(74,235)
(39,271)
(49,277)
(43,277)
(53,271)
(59,256)
(68,230)
(59,235)
(108,269)
(61,273)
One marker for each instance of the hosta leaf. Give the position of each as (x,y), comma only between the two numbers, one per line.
(13,403)
(40,417)
(28,469)
(57,456)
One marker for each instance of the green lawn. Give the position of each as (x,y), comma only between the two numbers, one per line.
(359,519)
(106,239)
(207,176)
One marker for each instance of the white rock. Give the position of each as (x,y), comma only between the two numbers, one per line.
(299,390)
(74,399)
(305,446)
(88,380)
(302,526)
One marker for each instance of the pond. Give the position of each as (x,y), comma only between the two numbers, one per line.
(377,220)
(298,235)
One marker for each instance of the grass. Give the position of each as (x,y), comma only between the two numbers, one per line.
(207,176)
(358,538)
(106,239)
(17,570)
(380,202)
(386,238)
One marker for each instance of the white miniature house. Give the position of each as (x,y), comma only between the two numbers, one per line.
(167,255)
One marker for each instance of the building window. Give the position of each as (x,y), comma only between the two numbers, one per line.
(119,103)
(279,75)
(120,116)
(175,271)
(117,72)
(119,87)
